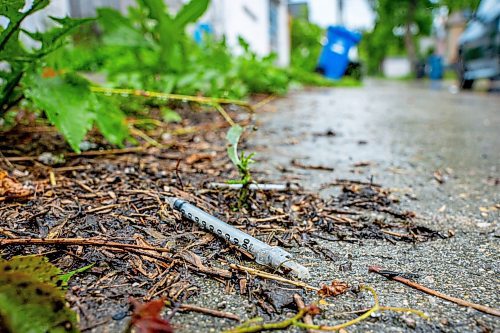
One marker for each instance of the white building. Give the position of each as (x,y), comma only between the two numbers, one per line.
(263,24)
(353,14)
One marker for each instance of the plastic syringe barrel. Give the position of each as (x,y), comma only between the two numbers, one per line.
(264,253)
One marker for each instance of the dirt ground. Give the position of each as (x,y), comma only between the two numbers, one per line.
(393,175)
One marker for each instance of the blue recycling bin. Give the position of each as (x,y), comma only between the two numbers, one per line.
(435,67)
(200,30)
(334,58)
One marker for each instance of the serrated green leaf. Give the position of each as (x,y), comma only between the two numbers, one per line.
(233,137)
(119,30)
(66,100)
(110,120)
(52,39)
(190,12)
(11,9)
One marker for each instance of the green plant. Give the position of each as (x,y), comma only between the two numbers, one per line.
(32,296)
(306,44)
(153,44)
(16,58)
(64,97)
(156,54)
(250,68)
(242,162)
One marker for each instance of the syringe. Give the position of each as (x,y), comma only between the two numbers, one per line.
(264,253)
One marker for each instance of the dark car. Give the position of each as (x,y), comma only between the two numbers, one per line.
(479,45)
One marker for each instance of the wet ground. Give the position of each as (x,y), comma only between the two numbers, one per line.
(405,136)
(439,152)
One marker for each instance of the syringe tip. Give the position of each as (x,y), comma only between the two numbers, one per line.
(297,269)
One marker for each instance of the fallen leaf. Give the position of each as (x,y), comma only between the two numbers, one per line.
(314,310)
(195,260)
(194,158)
(146,317)
(334,289)
(11,188)
(438,176)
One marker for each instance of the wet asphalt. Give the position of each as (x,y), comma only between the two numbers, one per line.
(439,153)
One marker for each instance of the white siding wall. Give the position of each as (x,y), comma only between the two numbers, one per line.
(250,20)
(283,35)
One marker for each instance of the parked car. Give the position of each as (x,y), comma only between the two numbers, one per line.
(479,45)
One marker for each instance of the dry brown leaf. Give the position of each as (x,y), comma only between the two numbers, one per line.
(136,263)
(195,260)
(336,288)
(146,317)
(11,188)
(194,158)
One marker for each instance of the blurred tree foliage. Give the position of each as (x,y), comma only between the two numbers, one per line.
(398,27)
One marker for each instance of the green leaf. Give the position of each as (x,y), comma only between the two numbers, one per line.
(35,266)
(67,276)
(170,116)
(190,12)
(233,137)
(66,100)
(52,39)
(110,120)
(11,9)
(119,31)
(31,299)
(28,305)
(156,8)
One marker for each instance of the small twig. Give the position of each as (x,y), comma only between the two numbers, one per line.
(144,136)
(270,276)
(177,175)
(482,308)
(6,160)
(249,328)
(101,208)
(105,152)
(211,312)
(395,234)
(77,241)
(155,94)
(342,182)
(263,102)
(376,307)
(307,319)
(312,309)
(224,114)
